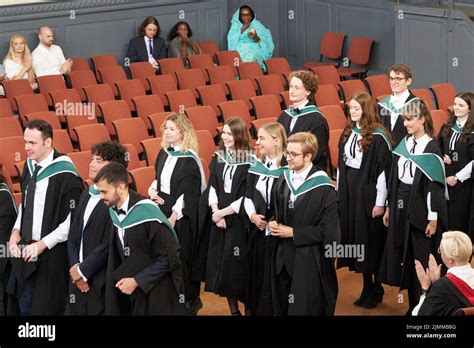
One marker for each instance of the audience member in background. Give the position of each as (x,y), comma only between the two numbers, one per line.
(456,140)
(393,106)
(48,59)
(416,215)
(180,179)
(363,168)
(18,62)
(445,295)
(304,116)
(249,37)
(180,43)
(7,220)
(262,176)
(148,46)
(89,238)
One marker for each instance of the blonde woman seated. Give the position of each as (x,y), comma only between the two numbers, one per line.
(445,295)
(18,62)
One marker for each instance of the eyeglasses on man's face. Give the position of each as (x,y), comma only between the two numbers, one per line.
(396,79)
(293,155)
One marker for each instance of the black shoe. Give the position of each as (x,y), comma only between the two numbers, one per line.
(236,314)
(363,297)
(374,299)
(193,306)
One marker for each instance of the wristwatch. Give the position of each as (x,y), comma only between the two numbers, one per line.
(424,291)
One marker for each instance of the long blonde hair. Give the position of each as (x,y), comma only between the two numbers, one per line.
(181,121)
(11,54)
(276,131)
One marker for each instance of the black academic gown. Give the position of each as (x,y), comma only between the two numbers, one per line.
(225,250)
(185,179)
(51,270)
(95,236)
(397,265)
(461,196)
(7,221)
(316,227)
(364,230)
(316,123)
(259,300)
(443,298)
(399,131)
(145,243)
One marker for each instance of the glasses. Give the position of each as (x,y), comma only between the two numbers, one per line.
(293,155)
(396,79)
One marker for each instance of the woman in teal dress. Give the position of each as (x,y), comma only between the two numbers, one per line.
(249,37)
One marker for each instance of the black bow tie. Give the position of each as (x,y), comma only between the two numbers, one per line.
(119,211)
(170,149)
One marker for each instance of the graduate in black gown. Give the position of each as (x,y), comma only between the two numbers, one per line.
(51,188)
(306,229)
(363,169)
(456,140)
(417,213)
(226,246)
(179,182)
(304,116)
(446,295)
(144,270)
(393,106)
(89,238)
(7,220)
(262,176)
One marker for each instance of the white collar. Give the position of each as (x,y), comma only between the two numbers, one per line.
(461,124)
(465,272)
(425,139)
(301,106)
(401,97)
(303,175)
(46,162)
(272,161)
(124,206)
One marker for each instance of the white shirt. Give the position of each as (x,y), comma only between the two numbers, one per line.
(165,183)
(353,158)
(91,204)
(264,186)
(298,179)
(464,173)
(294,119)
(407,170)
(61,233)
(466,273)
(151,59)
(47,61)
(13,68)
(397,101)
(227,176)
(121,231)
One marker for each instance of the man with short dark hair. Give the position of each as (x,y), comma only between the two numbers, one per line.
(393,106)
(144,274)
(89,238)
(305,229)
(51,188)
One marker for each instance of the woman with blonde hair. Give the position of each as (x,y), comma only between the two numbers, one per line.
(445,295)
(177,189)
(18,61)
(262,175)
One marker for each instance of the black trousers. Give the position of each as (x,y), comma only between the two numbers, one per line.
(283,288)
